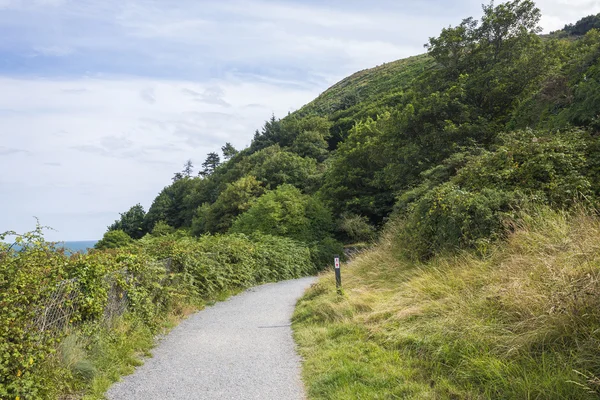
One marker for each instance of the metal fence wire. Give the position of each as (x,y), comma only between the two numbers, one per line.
(117,301)
(57,310)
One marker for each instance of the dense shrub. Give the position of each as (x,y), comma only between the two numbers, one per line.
(287,212)
(449,218)
(468,211)
(113,240)
(155,275)
(356,227)
(43,291)
(547,166)
(226,262)
(27,277)
(322,252)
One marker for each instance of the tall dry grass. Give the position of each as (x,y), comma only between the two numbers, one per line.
(521,322)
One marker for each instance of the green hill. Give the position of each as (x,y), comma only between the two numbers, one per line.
(368,86)
(452,153)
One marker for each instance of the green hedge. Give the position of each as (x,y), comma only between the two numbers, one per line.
(155,275)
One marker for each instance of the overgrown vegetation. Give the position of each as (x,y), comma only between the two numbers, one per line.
(441,150)
(522,322)
(71,325)
(455,140)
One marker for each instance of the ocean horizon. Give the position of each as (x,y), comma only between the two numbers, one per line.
(74,246)
(71,246)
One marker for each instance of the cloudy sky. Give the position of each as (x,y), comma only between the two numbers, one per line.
(103,100)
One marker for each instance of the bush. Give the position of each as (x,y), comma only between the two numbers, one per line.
(162,229)
(550,166)
(228,262)
(322,252)
(43,291)
(356,227)
(156,275)
(114,240)
(448,218)
(287,212)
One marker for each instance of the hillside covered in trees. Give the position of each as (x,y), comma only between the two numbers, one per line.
(478,166)
(473,170)
(493,118)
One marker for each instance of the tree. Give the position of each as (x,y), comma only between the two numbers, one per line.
(228,151)
(170,205)
(177,176)
(583,26)
(451,48)
(310,144)
(309,135)
(354,180)
(274,166)
(210,164)
(272,133)
(233,201)
(113,240)
(287,212)
(188,169)
(131,222)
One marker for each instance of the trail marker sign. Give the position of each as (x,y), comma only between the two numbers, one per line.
(338,274)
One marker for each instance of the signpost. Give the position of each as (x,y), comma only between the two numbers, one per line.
(338,274)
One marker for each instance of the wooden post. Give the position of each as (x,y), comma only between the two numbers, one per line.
(338,274)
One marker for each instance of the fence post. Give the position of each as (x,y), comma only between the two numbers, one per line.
(338,274)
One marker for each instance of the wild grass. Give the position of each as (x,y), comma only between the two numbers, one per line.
(521,322)
(91,357)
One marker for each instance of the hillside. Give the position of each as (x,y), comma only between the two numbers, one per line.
(474,173)
(521,323)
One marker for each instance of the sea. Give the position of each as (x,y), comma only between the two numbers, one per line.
(77,246)
(71,247)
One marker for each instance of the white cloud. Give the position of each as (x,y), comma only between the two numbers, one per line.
(102,100)
(557,13)
(100,147)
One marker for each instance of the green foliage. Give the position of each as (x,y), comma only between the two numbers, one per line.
(448,218)
(489,186)
(233,201)
(354,180)
(228,151)
(27,277)
(286,212)
(162,229)
(547,167)
(356,228)
(159,275)
(272,133)
(39,282)
(212,162)
(583,26)
(274,166)
(323,251)
(309,135)
(131,222)
(114,239)
(171,205)
(226,262)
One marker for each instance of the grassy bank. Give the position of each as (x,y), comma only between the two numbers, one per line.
(522,322)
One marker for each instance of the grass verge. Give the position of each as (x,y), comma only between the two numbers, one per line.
(522,322)
(91,358)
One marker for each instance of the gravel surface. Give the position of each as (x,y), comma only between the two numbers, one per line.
(241,348)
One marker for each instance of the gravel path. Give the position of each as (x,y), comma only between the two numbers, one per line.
(241,348)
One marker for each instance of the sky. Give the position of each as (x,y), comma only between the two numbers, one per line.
(102,101)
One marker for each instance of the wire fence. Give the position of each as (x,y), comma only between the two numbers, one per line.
(57,310)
